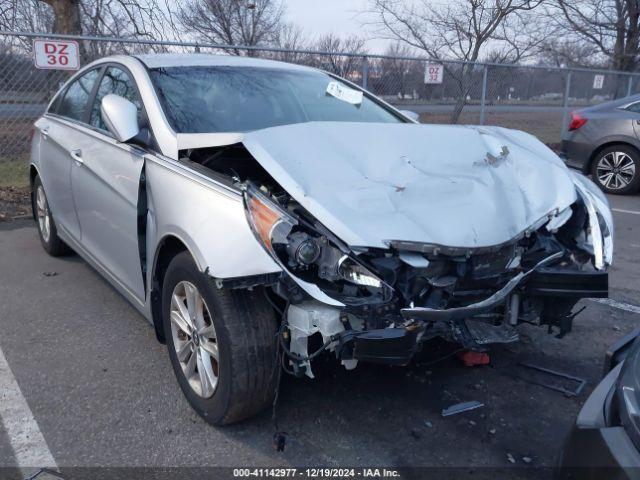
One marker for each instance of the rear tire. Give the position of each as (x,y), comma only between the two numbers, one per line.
(616,169)
(231,334)
(47,230)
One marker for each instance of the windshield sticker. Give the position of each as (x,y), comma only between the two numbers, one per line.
(345,94)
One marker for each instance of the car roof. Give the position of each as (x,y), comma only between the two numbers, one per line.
(165,60)
(612,104)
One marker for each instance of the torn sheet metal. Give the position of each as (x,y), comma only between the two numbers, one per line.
(580,382)
(187,141)
(344,93)
(459,313)
(601,227)
(461,407)
(372,183)
(558,220)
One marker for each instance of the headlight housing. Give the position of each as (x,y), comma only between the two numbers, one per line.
(600,220)
(310,256)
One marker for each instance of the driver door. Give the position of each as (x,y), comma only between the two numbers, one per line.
(105,183)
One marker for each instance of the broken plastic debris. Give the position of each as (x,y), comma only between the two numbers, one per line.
(279,441)
(49,274)
(461,407)
(345,94)
(469,358)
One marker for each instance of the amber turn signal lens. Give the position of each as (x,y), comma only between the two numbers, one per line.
(264,219)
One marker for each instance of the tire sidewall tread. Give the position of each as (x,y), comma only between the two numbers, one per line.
(55,246)
(245,327)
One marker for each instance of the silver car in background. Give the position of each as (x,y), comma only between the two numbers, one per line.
(604,141)
(260,214)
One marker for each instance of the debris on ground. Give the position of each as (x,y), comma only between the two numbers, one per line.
(428,424)
(510,458)
(49,274)
(577,382)
(469,358)
(472,423)
(279,441)
(492,431)
(527,459)
(15,202)
(461,407)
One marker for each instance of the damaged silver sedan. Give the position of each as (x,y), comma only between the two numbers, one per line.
(260,214)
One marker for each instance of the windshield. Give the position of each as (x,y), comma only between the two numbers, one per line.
(240,99)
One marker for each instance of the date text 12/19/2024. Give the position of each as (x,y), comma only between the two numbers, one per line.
(315,473)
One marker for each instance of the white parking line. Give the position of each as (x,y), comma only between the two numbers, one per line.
(27,442)
(616,304)
(622,210)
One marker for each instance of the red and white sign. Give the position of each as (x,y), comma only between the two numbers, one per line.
(56,54)
(598,81)
(433,73)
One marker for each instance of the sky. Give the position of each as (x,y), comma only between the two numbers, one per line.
(342,17)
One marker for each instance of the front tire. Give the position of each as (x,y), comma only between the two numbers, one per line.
(221,343)
(616,169)
(47,230)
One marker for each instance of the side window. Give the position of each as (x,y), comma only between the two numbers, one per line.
(115,80)
(74,102)
(55,105)
(634,107)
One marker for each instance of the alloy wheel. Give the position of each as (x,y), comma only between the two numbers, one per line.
(43,214)
(616,170)
(194,339)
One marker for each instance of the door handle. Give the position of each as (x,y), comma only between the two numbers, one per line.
(77,155)
(44,131)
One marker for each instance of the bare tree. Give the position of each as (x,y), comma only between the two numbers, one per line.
(117,18)
(461,29)
(348,66)
(232,22)
(25,16)
(394,69)
(66,16)
(291,38)
(126,19)
(566,53)
(610,27)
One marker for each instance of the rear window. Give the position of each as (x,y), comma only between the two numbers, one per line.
(634,107)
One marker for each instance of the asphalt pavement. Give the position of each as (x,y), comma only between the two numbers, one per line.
(99,389)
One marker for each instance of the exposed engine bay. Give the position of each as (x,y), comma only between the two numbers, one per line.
(381,304)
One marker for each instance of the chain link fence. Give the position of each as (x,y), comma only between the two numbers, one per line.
(531,98)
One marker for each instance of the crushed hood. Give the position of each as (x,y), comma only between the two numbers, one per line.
(456,186)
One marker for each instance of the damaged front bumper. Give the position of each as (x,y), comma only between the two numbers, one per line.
(549,282)
(473,326)
(381,305)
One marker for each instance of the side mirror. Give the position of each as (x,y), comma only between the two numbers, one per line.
(120,116)
(412,115)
